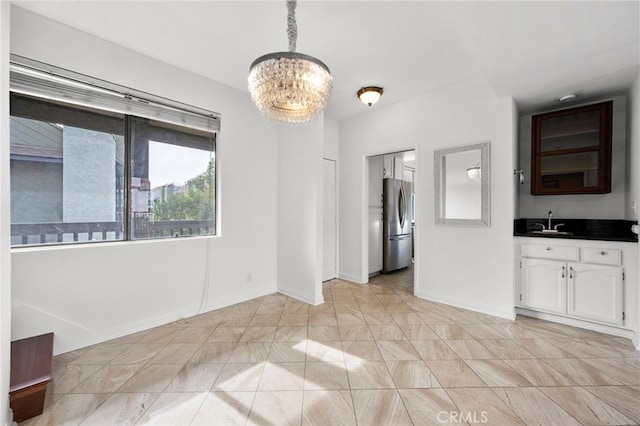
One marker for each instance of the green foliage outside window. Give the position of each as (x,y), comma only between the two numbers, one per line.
(193,201)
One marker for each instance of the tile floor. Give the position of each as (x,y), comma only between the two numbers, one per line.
(370,355)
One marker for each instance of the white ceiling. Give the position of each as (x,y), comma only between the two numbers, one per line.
(533,51)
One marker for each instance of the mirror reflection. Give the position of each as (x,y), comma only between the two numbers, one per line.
(462,185)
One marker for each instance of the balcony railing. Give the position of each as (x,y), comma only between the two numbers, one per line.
(142,228)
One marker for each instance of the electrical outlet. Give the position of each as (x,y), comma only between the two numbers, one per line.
(634,207)
(249,277)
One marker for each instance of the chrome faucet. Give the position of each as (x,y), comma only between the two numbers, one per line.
(555,228)
(548,227)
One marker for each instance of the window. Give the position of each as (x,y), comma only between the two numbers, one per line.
(172,180)
(69,176)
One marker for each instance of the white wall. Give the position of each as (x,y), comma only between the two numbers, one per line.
(5,229)
(463,114)
(633,186)
(91,293)
(633,152)
(331,138)
(332,152)
(580,206)
(300,190)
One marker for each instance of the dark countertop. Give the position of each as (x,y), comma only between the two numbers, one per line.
(582,229)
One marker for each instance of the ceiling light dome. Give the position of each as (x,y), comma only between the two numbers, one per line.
(567,97)
(370,95)
(290,87)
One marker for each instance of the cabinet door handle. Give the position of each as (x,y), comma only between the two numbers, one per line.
(548,248)
(603,253)
(570,271)
(563,272)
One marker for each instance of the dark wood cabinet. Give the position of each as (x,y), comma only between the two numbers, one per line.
(571,151)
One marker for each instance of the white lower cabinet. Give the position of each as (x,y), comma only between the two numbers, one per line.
(544,285)
(594,292)
(579,282)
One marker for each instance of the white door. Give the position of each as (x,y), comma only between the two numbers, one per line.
(544,285)
(595,293)
(329,221)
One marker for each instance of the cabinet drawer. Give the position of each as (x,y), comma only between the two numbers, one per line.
(550,252)
(602,256)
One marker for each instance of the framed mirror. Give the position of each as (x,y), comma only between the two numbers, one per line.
(462,185)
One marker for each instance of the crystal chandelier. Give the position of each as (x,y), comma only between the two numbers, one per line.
(288,86)
(474,174)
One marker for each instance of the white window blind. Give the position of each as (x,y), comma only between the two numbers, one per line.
(39,79)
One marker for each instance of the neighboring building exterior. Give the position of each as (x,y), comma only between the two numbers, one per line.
(62,174)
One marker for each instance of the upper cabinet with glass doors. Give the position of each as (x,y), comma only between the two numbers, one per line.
(571,151)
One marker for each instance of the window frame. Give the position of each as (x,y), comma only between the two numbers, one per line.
(174,115)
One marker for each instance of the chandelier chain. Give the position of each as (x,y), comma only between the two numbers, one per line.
(292,28)
(290,87)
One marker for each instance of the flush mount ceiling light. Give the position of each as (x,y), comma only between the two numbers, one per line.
(288,86)
(474,174)
(567,97)
(369,95)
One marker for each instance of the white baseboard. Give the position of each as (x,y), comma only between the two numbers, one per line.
(301,296)
(30,321)
(468,304)
(349,277)
(8,421)
(602,328)
(174,316)
(240,297)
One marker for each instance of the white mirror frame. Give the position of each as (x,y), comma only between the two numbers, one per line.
(440,190)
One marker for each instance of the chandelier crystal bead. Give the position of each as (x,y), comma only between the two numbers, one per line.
(290,87)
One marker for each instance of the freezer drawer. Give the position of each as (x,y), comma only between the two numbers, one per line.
(397,252)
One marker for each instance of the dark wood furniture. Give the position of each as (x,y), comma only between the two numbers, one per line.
(31,360)
(571,151)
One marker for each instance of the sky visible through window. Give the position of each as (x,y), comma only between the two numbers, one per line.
(175,164)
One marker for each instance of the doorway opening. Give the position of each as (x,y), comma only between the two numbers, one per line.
(391,219)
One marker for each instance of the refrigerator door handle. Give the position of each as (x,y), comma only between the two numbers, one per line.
(401,206)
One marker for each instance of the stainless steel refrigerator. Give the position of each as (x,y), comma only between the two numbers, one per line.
(396,225)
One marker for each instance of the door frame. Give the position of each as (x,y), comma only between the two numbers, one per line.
(364,273)
(337,222)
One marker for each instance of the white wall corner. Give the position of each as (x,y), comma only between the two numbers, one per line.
(300,198)
(309,298)
(350,277)
(6,416)
(331,139)
(634,172)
